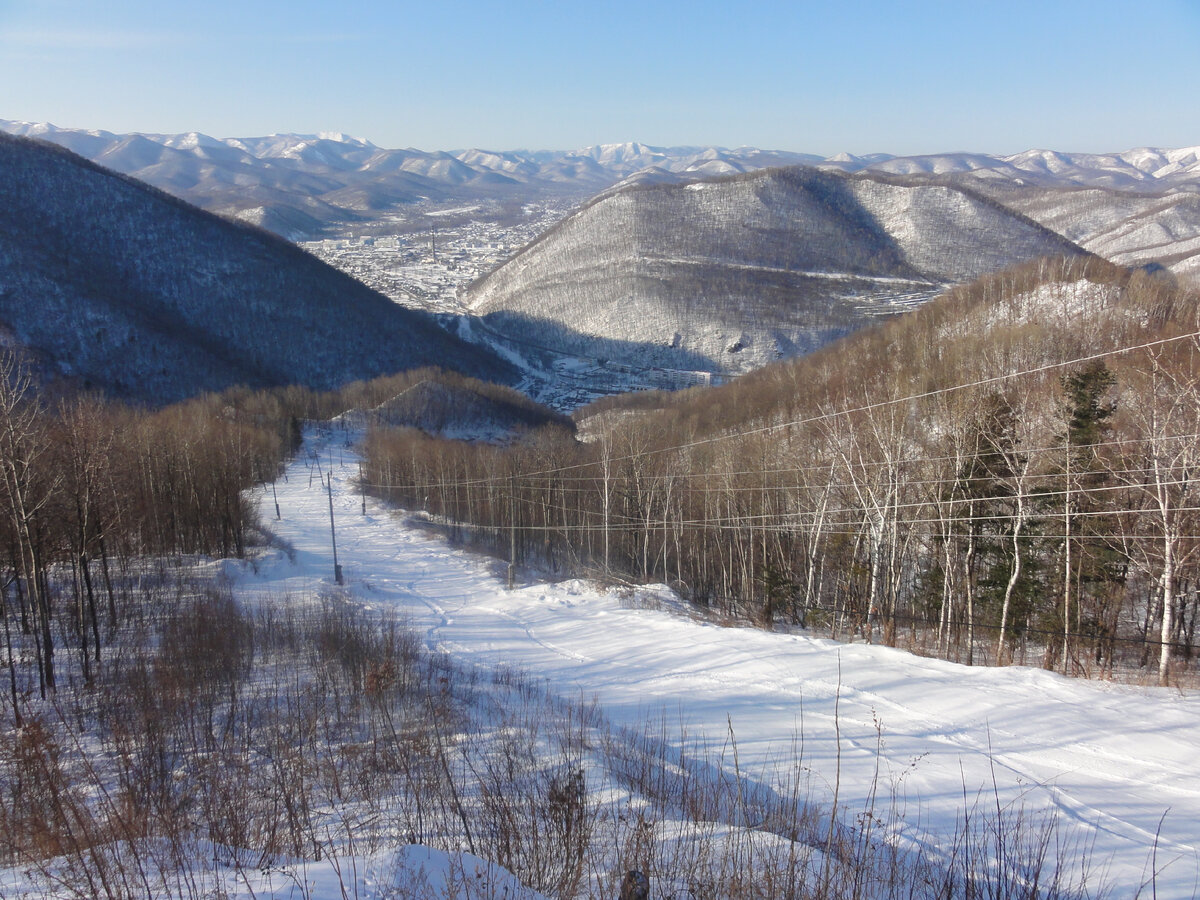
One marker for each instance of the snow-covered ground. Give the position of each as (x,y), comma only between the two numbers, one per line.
(409,871)
(1116,764)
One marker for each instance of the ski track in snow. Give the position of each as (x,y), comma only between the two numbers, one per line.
(1110,760)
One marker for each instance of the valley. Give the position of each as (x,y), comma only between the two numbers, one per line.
(491,524)
(483,240)
(427,255)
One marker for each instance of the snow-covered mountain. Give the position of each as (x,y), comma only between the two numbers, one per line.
(1140,207)
(729,274)
(1145,168)
(1136,208)
(1131,228)
(298,185)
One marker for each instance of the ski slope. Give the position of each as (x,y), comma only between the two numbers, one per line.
(1116,764)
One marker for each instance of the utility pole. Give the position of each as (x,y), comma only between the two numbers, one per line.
(1066,651)
(337,570)
(276,496)
(512,534)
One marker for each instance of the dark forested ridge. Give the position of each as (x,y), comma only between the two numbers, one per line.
(129,290)
(741,271)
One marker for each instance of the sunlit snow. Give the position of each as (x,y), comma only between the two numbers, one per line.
(1116,763)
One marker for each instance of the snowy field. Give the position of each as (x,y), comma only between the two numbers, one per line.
(1115,764)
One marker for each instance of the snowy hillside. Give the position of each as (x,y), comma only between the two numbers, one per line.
(926,739)
(1128,228)
(730,274)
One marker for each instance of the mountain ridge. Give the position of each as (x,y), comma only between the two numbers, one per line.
(269,171)
(745,269)
(127,288)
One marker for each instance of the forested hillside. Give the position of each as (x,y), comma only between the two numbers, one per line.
(1126,227)
(124,288)
(730,274)
(91,489)
(1007,473)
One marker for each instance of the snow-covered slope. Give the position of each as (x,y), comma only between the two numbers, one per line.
(1114,763)
(730,274)
(1129,228)
(1136,208)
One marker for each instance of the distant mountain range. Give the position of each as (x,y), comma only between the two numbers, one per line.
(1145,169)
(732,273)
(122,287)
(692,259)
(300,185)
(1142,205)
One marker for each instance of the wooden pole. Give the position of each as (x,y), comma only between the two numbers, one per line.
(337,569)
(512,534)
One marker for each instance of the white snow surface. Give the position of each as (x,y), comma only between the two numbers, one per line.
(410,871)
(1115,763)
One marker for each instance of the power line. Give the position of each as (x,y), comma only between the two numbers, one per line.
(1025,488)
(834,414)
(908,461)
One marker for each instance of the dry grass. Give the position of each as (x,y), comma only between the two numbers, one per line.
(306,729)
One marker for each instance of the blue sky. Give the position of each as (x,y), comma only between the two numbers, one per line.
(447,74)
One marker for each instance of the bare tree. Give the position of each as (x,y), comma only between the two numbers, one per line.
(24,444)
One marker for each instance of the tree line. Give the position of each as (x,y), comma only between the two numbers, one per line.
(90,487)
(1007,474)
(92,490)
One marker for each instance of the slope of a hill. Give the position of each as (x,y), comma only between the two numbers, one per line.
(1106,761)
(732,273)
(129,290)
(446,405)
(1127,227)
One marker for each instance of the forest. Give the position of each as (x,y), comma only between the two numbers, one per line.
(93,490)
(167,739)
(1006,475)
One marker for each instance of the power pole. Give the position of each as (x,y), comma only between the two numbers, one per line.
(512,534)
(337,569)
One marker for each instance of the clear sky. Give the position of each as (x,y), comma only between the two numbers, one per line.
(820,77)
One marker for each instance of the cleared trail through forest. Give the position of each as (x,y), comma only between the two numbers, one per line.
(1117,763)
